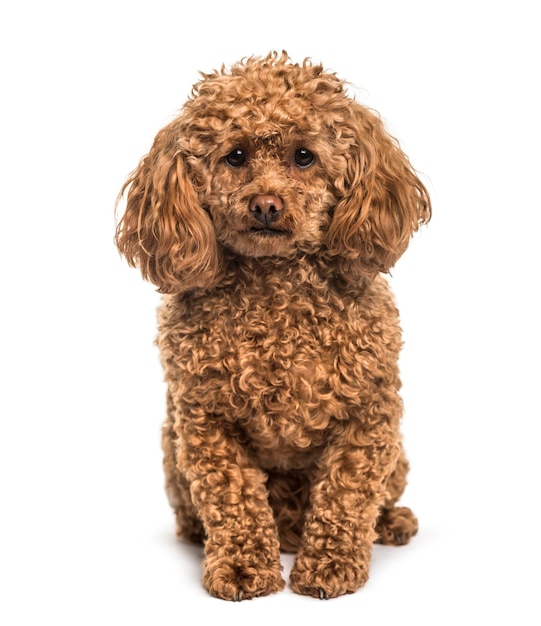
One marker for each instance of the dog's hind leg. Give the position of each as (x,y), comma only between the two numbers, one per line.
(177,487)
(289,494)
(396,525)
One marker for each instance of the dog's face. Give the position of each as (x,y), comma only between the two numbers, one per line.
(269,195)
(269,159)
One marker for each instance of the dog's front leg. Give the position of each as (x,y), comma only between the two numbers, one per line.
(339,527)
(242,550)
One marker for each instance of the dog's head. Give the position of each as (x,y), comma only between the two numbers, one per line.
(271,159)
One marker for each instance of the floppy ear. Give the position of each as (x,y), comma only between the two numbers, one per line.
(164,230)
(383,201)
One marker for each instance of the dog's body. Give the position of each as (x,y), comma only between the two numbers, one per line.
(266,212)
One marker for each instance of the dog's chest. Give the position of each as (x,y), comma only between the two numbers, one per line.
(281,362)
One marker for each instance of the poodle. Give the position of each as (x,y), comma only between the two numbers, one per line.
(267,213)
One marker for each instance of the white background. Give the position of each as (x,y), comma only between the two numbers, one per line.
(86,534)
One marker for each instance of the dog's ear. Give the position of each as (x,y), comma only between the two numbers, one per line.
(164,230)
(382,201)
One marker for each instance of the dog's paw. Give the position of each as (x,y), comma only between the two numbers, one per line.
(229,581)
(396,526)
(323,577)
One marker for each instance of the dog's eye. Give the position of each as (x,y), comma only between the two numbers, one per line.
(304,158)
(236,157)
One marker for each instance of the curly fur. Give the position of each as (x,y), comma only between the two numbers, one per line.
(279,336)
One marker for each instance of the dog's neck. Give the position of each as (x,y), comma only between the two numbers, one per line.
(294,270)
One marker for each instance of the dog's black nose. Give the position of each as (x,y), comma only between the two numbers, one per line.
(266,208)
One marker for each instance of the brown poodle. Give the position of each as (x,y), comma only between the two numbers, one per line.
(266,212)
